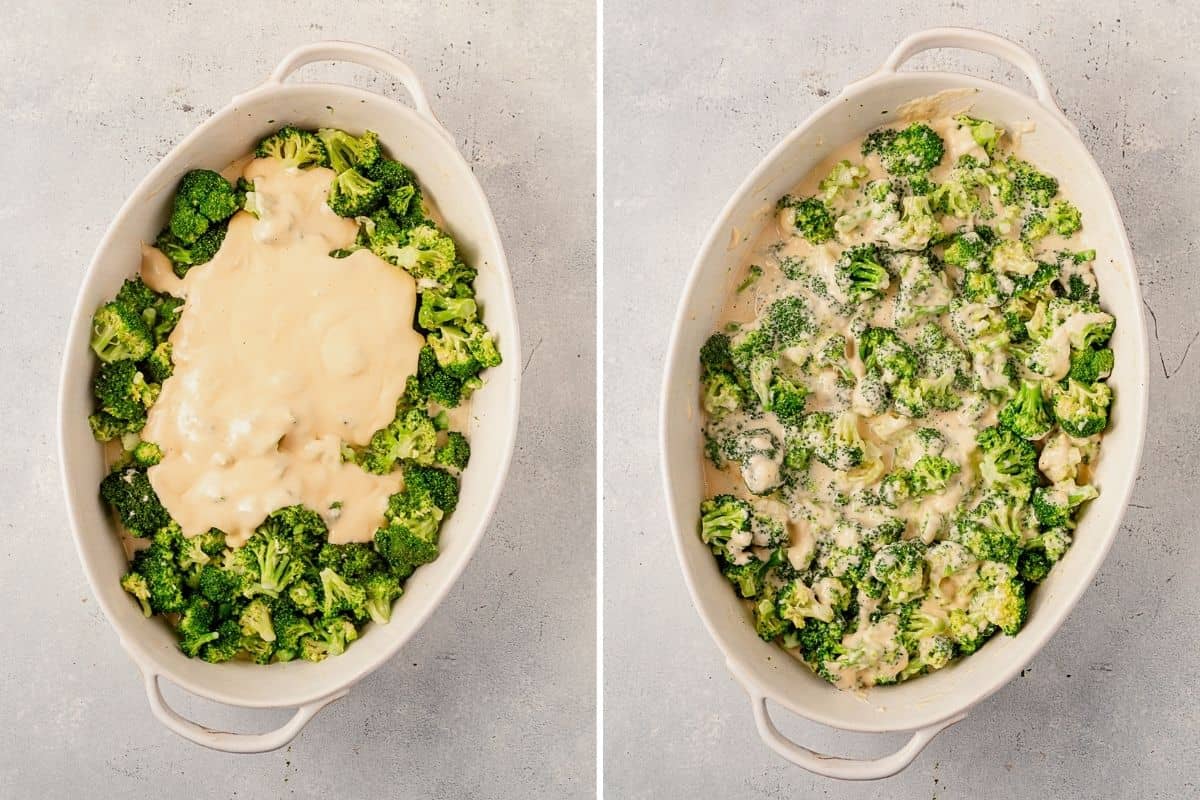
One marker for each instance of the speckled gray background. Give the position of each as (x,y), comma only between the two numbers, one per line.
(495,696)
(694,99)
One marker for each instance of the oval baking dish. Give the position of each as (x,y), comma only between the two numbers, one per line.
(933,702)
(414,136)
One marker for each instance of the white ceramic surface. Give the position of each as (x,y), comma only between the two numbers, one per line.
(418,139)
(931,703)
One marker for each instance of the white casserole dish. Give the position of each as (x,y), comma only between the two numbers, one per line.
(931,703)
(415,137)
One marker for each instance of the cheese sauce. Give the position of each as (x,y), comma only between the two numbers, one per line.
(282,354)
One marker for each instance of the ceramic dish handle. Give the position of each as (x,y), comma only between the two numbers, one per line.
(980,42)
(847,769)
(232,742)
(364,56)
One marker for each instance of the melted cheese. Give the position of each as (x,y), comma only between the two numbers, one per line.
(281,355)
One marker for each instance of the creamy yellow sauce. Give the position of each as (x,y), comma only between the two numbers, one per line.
(281,355)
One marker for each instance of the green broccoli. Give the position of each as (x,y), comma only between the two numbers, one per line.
(885,354)
(1082,410)
(295,148)
(439,309)
(748,577)
(266,565)
(129,493)
(160,580)
(455,453)
(995,528)
(158,365)
(352,194)
(900,567)
(1089,366)
(184,256)
(203,199)
(382,590)
(350,152)
(409,437)
(1008,462)
(985,132)
(121,390)
(725,525)
(120,334)
(1055,506)
(1027,414)
(810,217)
(860,273)
(354,561)
(291,629)
(970,249)
(930,474)
(915,150)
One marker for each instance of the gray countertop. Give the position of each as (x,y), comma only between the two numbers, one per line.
(695,98)
(495,696)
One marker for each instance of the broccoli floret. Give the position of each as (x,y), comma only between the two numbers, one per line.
(218,584)
(725,526)
(1001,598)
(434,383)
(722,395)
(860,273)
(900,567)
(227,644)
(811,218)
(985,132)
(296,148)
(441,485)
(787,400)
(340,596)
(1027,184)
(455,453)
(1089,366)
(266,564)
(158,365)
(969,249)
(796,603)
(352,194)
(844,175)
(350,152)
(748,577)
(203,199)
(409,437)
(185,256)
(255,620)
(715,355)
(1082,410)
(886,355)
(135,583)
(406,548)
(1033,566)
(1008,461)
(1027,413)
(788,322)
(834,441)
(995,528)
(129,493)
(329,638)
(302,528)
(1055,506)
(196,626)
(930,474)
(382,590)
(354,561)
(428,255)
(304,595)
(981,286)
(106,427)
(162,580)
(119,333)
(767,622)
(291,628)
(915,150)
(753,273)
(439,309)
(820,643)
(121,390)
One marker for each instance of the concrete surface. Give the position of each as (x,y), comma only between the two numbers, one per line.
(495,696)
(695,98)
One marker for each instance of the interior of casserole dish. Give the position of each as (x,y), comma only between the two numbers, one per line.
(934,697)
(446,177)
